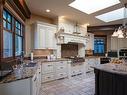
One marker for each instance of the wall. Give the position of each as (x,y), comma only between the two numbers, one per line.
(29,33)
(69,26)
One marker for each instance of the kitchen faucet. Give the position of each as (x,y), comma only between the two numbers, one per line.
(21,58)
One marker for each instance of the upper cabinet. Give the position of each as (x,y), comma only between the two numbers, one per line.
(114,43)
(118,43)
(44,36)
(90,42)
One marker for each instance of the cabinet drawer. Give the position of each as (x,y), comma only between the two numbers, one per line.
(48,77)
(61,63)
(61,68)
(47,68)
(61,75)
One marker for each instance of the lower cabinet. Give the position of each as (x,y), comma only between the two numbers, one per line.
(28,86)
(90,62)
(54,70)
(77,69)
(36,81)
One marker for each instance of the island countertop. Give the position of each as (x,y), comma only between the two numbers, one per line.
(112,68)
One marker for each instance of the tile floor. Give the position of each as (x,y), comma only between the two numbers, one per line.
(78,85)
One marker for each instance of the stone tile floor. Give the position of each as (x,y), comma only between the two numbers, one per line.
(77,85)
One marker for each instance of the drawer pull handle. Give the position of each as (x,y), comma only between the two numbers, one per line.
(61,67)
(61,74)
(49,65)
(48,77)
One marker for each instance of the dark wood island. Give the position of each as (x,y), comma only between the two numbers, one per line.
(110,79)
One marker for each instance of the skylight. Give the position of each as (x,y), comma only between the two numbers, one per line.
(91,6)
(112,16)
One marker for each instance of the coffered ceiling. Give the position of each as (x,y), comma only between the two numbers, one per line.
(61,8)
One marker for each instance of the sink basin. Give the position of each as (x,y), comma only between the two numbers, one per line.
(31,64)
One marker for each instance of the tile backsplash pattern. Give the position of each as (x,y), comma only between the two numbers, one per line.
(42,52)
(68,50)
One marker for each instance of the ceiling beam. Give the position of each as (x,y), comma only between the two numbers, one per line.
(104,28)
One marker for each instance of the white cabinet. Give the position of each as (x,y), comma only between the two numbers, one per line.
(118,43)
(77,69)
(28,86)
(114,43)
(54,70)
(36,81)
(90,42)
(19,87)
(122,43)
(48,71)
(61,69)
(44,36)
(91,62)
(34,85)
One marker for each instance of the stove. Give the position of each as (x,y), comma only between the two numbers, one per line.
(76,59)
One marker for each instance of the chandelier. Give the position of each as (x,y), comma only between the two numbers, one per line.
(121,32)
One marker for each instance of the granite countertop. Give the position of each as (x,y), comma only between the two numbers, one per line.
(19,74)
(95,57)
(120,69)
(27,72)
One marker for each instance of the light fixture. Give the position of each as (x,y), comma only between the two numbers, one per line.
(115,34)
(47,10)
(121,32)
(91,6)
(76,29)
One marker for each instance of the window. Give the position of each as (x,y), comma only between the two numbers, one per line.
(7,35)
(18,38)
(99,46)
(7,44)
(12,36)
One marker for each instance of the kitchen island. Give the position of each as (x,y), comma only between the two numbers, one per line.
(110,79)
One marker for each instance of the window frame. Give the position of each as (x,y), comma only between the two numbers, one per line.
(13,19)
(104,37)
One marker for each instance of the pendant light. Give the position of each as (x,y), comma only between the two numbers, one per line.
(121,32)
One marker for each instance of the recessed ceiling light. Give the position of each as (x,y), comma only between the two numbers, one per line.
(47,10)
(91,6)
(112,16)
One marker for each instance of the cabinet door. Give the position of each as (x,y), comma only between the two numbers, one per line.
(34,85)
(105,83)
(45,36)
(42,37)
(114,43)
(125,43)
(121,43)
(50,38)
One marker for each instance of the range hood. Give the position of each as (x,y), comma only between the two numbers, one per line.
(64,38)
